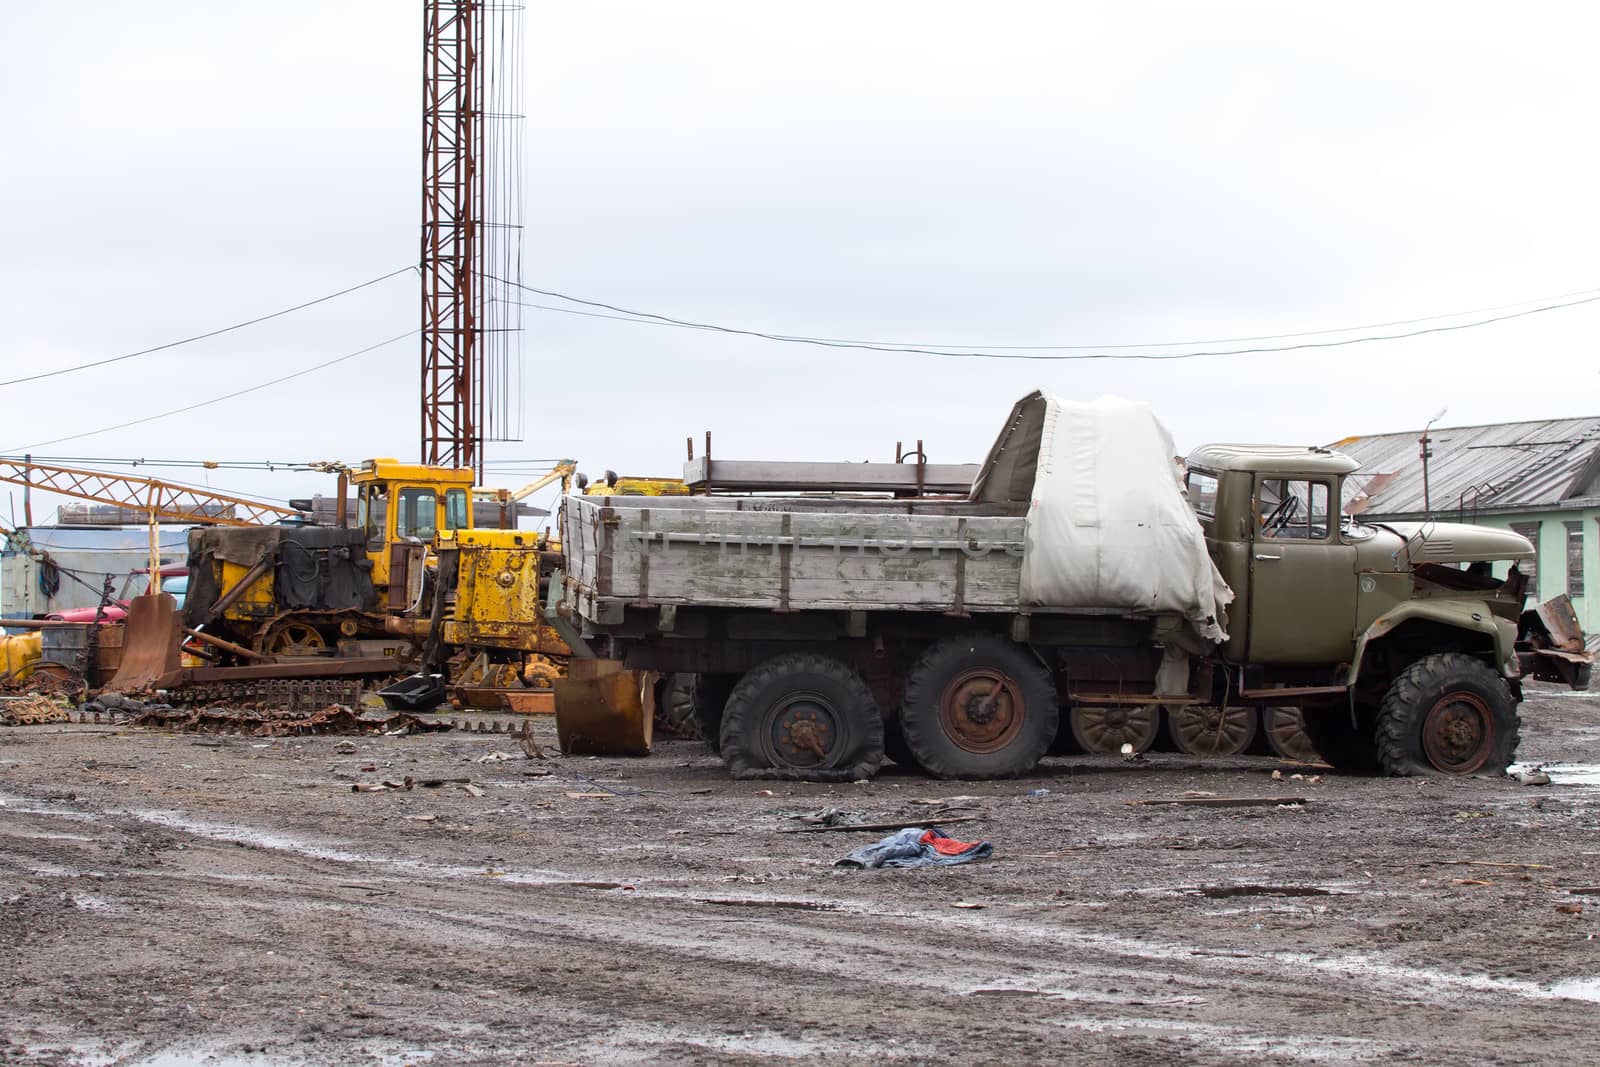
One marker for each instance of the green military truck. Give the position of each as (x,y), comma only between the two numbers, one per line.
(1085,576)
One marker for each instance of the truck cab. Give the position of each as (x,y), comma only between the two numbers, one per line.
(1314,587)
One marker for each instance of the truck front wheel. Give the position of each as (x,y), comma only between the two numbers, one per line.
(978,706)
(1447,713)
(805,716)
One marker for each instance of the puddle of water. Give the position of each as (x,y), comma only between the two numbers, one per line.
(1578,989)
(44,836)
(645,1038)
(29,806)
(1565,773)
(51,870)
(1320,1049)
(266,839)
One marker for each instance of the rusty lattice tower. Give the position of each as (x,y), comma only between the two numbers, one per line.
(452,187)
(471,200)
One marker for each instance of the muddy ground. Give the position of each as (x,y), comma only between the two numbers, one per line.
(174,899)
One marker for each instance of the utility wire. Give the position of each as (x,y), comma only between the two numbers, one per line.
(1113,352)
(139,461)
(203,336)
(219,399)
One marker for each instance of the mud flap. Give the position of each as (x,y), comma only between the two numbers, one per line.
(604,710)
(150,644)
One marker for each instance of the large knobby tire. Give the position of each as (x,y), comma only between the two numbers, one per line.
(803,716)
(978,706)
(1343,744)
(708,694)
(1448,713)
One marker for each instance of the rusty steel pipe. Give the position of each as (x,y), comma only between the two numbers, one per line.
(238,650)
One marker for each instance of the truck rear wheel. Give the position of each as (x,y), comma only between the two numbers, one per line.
(978,706)
(1447,713)
(1283,734)
(1102,729)
(1210,730)
(802,715)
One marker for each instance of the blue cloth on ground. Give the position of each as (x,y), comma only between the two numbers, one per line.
(917,847)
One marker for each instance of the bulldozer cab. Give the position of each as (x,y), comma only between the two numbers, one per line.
(400,502)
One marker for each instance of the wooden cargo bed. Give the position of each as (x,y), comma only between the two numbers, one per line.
(789,554)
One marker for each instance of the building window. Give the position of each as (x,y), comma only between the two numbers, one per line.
(1575,558)
(1530,567)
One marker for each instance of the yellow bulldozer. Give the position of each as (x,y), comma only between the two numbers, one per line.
(491,619)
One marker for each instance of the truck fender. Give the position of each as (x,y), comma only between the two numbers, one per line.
(1456,614)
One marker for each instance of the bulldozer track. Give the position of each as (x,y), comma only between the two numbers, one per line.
(175,718)
(286,695)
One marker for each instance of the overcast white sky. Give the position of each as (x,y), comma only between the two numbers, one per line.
(951,173)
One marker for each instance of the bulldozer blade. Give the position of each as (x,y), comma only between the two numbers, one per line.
(151,638)
(606,712)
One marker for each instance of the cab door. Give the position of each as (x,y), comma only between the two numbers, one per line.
(1302,577)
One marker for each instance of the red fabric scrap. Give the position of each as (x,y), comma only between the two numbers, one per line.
(948,846)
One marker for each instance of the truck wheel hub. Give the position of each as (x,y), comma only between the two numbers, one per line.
(1457,733)
(981,710)
(803,733)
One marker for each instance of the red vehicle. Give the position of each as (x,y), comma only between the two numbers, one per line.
(174,580)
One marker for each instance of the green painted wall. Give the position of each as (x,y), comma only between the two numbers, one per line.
(1552,547)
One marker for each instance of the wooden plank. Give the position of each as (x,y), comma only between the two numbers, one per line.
(1220,802)
(779,476)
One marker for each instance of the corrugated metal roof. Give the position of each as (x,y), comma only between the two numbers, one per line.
(1501,466)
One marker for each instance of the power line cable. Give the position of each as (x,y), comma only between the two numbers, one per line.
(219,399)
(139,461)
(1112,352)
(203,336)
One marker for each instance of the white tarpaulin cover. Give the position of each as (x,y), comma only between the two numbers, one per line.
(1108,524)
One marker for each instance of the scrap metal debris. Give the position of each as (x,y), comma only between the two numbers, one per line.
(333,719)
(31,710)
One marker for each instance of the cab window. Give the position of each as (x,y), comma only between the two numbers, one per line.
(372,512)
(1292,509)
(1202,488)
(418,514)
(456,516)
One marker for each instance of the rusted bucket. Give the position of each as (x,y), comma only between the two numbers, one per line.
(151,637)
(604,710)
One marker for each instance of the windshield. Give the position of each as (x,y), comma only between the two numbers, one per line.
(418,514)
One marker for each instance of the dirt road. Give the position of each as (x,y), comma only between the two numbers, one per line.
(173,899)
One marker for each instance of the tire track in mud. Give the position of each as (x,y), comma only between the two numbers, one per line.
(664,970)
